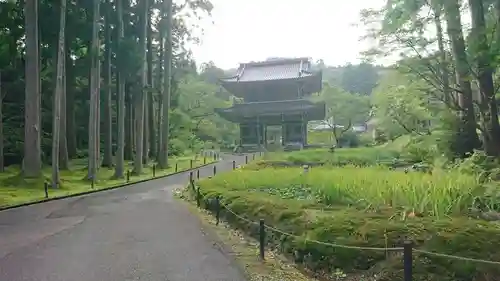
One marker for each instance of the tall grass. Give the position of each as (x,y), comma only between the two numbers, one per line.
(438,194)
(361,156)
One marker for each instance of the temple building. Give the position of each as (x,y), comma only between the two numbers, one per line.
(275,92)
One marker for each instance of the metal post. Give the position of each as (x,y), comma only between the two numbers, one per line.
(407,260)
(262,238)
(198,174)
(46,189)
(128,175)
(234,164)
(190,176)
(176,167)
(191,163)
(154,170)
(246,159)
(215,169)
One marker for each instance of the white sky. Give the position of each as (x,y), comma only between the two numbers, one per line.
(252,30)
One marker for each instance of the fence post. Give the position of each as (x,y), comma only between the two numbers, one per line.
(128,175)
(198,174)
(46,189)
(262,238)
(234,164)
(217,210)
(198,197)
(215,169)
(408,260)
(176,167)
(154,170)
(191,163)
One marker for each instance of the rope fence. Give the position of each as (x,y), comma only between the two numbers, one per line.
(407,247)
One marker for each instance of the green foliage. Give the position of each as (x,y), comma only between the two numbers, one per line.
(401,107)
(370,207)
(361,156)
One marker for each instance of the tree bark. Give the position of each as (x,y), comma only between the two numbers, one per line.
(70,107)
(59,88)
(139,103)
(129,138)
(63,141)
(120,159)
(2,96)
(151,103)
(167,83)
(94,95)
(32,162)
(481,56)
(107,160)
(467,133)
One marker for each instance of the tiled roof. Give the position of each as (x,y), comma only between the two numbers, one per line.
(272,69)
(276,107)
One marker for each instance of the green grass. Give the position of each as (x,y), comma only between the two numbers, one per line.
(368,206)
(361,156)
(15,190)
(439,194)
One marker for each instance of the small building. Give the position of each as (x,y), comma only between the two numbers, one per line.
(275,93)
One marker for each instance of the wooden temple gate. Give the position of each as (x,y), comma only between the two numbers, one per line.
(275,93)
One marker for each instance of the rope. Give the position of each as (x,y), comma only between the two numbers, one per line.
(456,257)
(359,247)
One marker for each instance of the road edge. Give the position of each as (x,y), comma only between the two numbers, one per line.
(44,200)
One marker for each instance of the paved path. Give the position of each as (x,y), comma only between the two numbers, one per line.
(133,233)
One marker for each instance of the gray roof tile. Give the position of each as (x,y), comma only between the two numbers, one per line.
(274,69)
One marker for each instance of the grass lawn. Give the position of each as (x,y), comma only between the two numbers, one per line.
(365,205)
(15,190)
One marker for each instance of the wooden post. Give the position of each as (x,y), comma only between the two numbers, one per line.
(46,189)
(262,238)
(408,260)
(217,210)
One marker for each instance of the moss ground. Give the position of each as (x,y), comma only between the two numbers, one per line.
(15,190)
(361,206)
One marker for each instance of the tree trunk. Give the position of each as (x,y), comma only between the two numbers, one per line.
(160,84)
(443,62)
(166,81)
(481,56)
(70,107)
(151,103)
(107,160)
(120,160)
(139,102)
(59,88)
(467,133)
(63,141)
(2,96)
(129,138)
(94,95)
(32,162)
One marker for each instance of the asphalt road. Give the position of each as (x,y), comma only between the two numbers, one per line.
(138,232)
